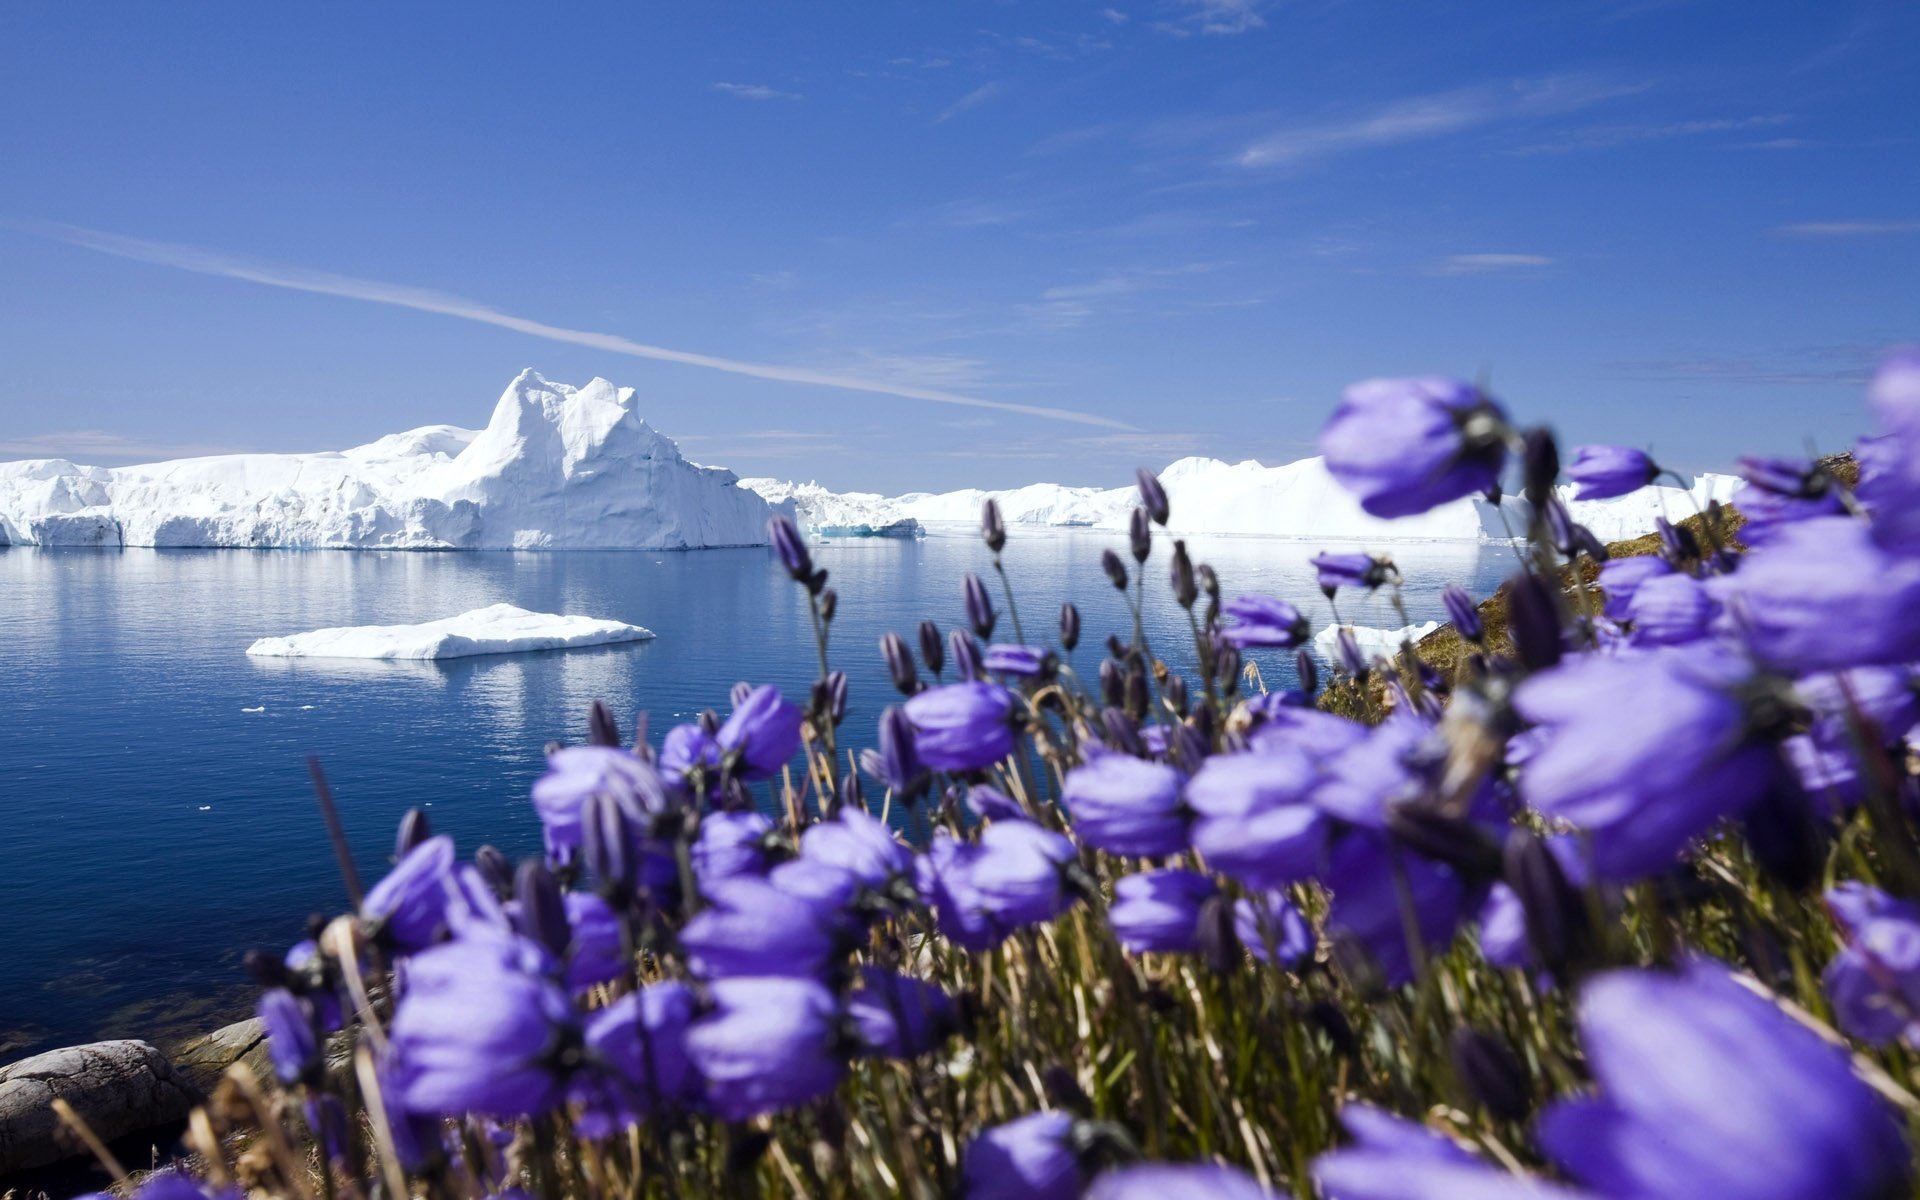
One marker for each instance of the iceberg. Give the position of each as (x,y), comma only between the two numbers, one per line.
(556,467)
(824,514)
(1373,643)
(1209,496)
(496,629)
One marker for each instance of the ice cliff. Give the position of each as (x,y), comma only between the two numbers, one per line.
(556,467)
(1297,499)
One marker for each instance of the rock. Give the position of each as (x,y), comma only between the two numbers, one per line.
(201,1061)
(118,1088)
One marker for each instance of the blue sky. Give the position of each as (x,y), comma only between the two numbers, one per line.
(1134,230)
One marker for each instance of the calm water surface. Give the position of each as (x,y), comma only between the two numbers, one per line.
(154,802)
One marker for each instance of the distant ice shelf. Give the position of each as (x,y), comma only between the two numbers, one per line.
(496,629)
(1373,643)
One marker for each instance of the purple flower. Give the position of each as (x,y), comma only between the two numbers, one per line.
(1018,876)
(1350,571)
(1874,981)
(1373,885)
(1126,806)
(408,908)
(1668,610)
(1889,489)
(577,772)
(173,1185)
(860,845)
(1189,1181)
(1645,752)
(1023,662)
(897,1016)
(790,547)
(1403,446)
(767,1044)
(687,748)
(1392,1158)
(1252,820)
(1895,391)
(1029,1158)
(1620,578)
(764,730)
(963,726)
(752,927)
(944,876)
(729,844)
(1462,611)
(640,1043)
(292,1045)
(896,764)
(477,1028)
(1822,596)
(1265,621)
(595,951)
(1768,511)
(991,804)
(1604,472)
(1272,929)
(1389,766)
(1159,911)
(1705,1088)
(1153,497)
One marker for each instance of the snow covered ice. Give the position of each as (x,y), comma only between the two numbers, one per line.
(496,629)
(1373,643)
(556,467)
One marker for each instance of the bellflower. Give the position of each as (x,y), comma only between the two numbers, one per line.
(1604,472)
(1391,765)
(963,726)
(595,952)
(640,1043)
(482,1028)
(1620,578)
(1159,911)
(1338,571)
(992,804)
(292,1045)
(1462,611)
(898,1016)
(1391,1158)
(944,877)
(1252,820)
(1126,806)
(687,748)
(764,730)
(1706,1089)
(1403,446)
(1822,596)
(1019,875)
(1261,621)
(766,1044)
(1029,1158)
(409,906)
(1889,489)
(1668,610)
(1874,982)
(1646,752)
(1272,929)
(1767,511)
(577,772)
(729,844)
(1190,1181)
(1022,662)
(1368,876)
(859,844)
(752,927)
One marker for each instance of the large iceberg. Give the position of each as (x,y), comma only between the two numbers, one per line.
(1208,496)
(496,629)
(826,514)
(556,467)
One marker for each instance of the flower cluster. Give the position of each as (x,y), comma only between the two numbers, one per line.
(1505,921)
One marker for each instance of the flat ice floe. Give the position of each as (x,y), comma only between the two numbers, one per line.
(496,629)
(1373,643)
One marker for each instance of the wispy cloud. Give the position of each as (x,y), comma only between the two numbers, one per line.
(1423,117)
(301,279)
(1846,229)
(1115,15)
(1487,264)
(972,100)
(1215,17)
(755,91)
(97,445)
(1606,137)
(1068,305)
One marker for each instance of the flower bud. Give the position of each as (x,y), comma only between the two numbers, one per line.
(709,720)
(931,649)
(829,604)
(494,868)
(602,729)
(1784,835)
(1153,497)
(980,612)
(851,793)
(607,841)
(900,668)
(1463,613)
(837,696)
(1348,651)
(1209,581)
(1534,621)
(543,911)
(791,548)
(817,582)
(1542,466)
(1216,939)
(1226,666)
(1115,569)
(1069,627)
(1111,691)
(1308,669)
(737,695)
(413,830)
(1136,693)
(1175,691)
(1455,841)
(1185,589)
(1559,931)
(992,528)
(1490,1074)
(1139,535)
(966,655)
(1677,543)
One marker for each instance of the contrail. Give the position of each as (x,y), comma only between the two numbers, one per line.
(302,279)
